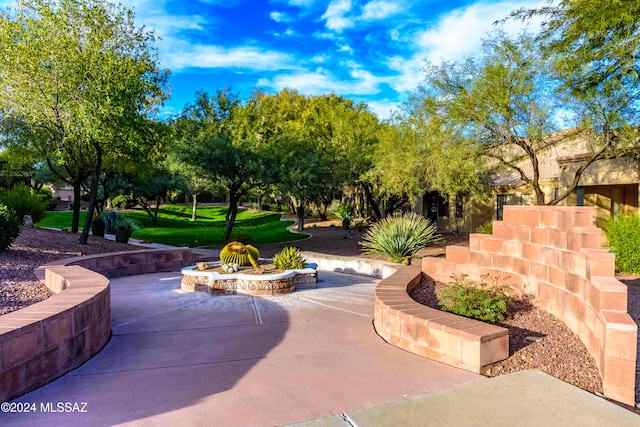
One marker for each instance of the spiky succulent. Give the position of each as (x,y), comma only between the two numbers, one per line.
(400,237)
(288,258)
(241,254)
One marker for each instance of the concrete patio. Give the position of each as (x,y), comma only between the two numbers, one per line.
(310,357)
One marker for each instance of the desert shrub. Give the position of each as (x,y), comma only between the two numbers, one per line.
(486,228)
(23,202)
(111,220)
(124,227)
(345,211)
(289,258)
(9,227)
(128,223)
(399,237)
(486,302)
(623,232)
(123,201)
(47,196)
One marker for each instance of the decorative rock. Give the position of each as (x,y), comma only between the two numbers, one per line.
(27,221)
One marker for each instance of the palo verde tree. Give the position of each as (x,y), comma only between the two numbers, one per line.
(593,49)
(83,77)
(506,105)
(418,151)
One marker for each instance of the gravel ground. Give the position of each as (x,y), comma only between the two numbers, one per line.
(537,339)
(34,247)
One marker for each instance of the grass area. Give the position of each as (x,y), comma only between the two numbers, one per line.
(176,228)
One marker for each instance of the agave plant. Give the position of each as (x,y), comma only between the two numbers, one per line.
(400,237)
(288,258)
(124,227)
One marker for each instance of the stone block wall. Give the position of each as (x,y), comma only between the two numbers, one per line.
(446,337)
(48,339)
(554,254)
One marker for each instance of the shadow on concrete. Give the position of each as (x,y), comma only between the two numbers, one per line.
(169,350)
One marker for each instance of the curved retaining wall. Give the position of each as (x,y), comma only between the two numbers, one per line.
(554,254)
(448,338)
(41,342)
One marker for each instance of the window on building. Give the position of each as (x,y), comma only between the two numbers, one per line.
(502,200)
(580,196)
(616,201)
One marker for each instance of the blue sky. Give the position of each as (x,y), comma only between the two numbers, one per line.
(371,51)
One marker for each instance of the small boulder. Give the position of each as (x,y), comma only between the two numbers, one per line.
(27,221)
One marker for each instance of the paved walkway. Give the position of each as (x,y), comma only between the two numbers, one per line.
(311,357)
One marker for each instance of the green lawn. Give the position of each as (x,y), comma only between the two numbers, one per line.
(176,228)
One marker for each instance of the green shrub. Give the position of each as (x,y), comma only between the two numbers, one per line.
(345,211)
(23,202)
(9,227)
(124,227)
(289,258)
(477,301)
(123,201)
(47,196)
(128,223)
(400,237)
(623,232)
(486,228)
(111,220)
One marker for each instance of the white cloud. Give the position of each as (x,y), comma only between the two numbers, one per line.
(345,48)
(246,57)
(319,59)
(380,9)
(323,81)
(335,15)
(460,32)
(280,17)
(300,3)
(383,108)
(454,36)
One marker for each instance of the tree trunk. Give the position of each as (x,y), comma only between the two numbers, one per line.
(298,208)
(232,212)
(93,196)
(75,218)
(323,211)
(84,236)
(194,208)
(372,203)
(154,220)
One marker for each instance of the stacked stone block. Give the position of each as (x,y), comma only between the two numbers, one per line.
(555,255)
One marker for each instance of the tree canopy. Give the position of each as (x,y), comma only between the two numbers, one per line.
(84,79)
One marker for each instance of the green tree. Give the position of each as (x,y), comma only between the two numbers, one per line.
(593,47)
(154,186)
(505,106)
(209,146)
(349,132)
(421,149)
(82,76)
(302,156)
